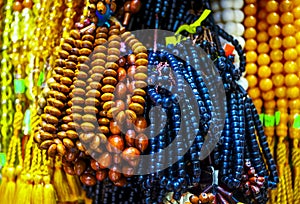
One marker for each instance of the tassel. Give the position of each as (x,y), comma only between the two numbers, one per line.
(4,181)
(64,193)
(49,191)
(10,187)
(38,191)
(75,187)
(24,193)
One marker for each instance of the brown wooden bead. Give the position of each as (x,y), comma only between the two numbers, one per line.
(122,61)
(139,92)
(86,137)
(108,88)
(70,155)
(79,167)
(137,108)
(53,111)
(89,118)
(138,99)
(75,51)
(49,128)
(68,143)
(88,179)
(67,119)
(52,150)
(95,143)
(121,117)
(73,58)
(83,59)
(100,49)
(69,169)
(62,134)
(59,70)
(46,136)
(115,144)
(140,76)
(101,35)
(75,34)
(141,142)
(77,116)
(83,67)
(80,146)
(87,127)
(111,65)
(69,73)
(121,182)
(131,116)
(103,113)
(93,94)
(135,6)
(95,165)
(108,105)
(66,81)
(72,134)
(105,160)
(50,119)
(67,47)
(141,56)
(101,175)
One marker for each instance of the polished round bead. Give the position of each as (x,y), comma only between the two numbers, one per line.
(276,67)
(290,67)
(257,103)
(252,80)
(251,56)
(262,36)
(290,54)
(276,55)
(267,96)
(293,92)
(287,18)
(250,33)
(251,45)
(285,6)
(291,80)
(250,10)
(272,6)
(263,47)
(254,92)
(289,42)
(278,80)
(296,11)
(250,21)
(262,25)
(275,42)
(263,59)
(264,71)
(288,30)
(265,84)
(251,68)
(273,18)
(274,30)
(280,92)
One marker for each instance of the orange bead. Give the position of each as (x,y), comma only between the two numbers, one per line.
(296,12)
(250,21)
(265,84)
(293,92)
(263,48)
(263,59)
(274,30)
(280,92)
(294,104)
(287,18)
(17,6)
(276,67)
(275,42)
(250,10)
(254,92)
(288,29)
(273,18)
(285,6)
(27,3)
(250,45)
(278,80)
(289,42)
(268,96)
(264,71)
(252,80)
(262,25)
(291,80)
(272,6)
(251,56)
(276,55)
(251,68)
(262,36)
(290,54)
(269,104)
(250,33)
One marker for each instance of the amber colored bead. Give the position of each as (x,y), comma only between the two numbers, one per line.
(254,92)
(262,36)
(120,90)
(276,55)
(276,67)
(291,80)
(251,68)
(293,92)
(140,124)
(274,30)
(114,174)
(263,59)
(296,11)
(250,10)
(135,6)
(130,138)
(263,48)
(115,144)
(141,142)
(250,45)
(252,80)
(280,92)
(289,42)
(269,95)
(273,18)
(285,6)
(278,80)
(203,198)
(251,56)
(250,33)
(114,128)
(265,84)
(95,165)
(101,175)
(121,74)
(121,182)
(88,179)
(105,160)
(194,199)
(130,153)
(250,21)
(272,6)
(275,42)
(290,67)
(288,30)
(287,18)
(17,6)
(262,25)
(264,71)
(290,54)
